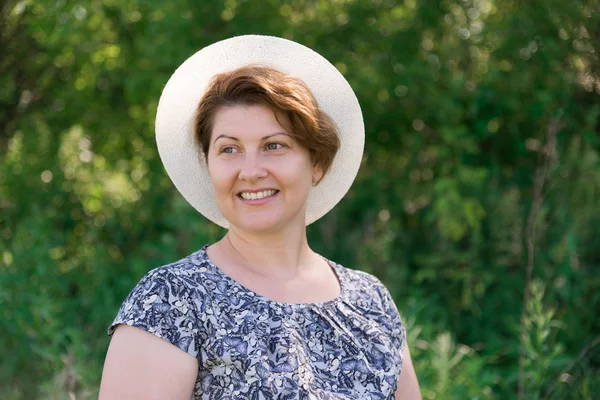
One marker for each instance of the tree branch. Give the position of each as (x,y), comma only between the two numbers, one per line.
(541,177)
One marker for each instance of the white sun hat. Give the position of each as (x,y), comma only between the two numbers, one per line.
(184,162)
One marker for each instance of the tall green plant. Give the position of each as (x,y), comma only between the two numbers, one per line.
(457,97)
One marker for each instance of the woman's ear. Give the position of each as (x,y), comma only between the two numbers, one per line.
(317,174)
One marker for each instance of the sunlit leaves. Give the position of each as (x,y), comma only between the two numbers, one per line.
(456,97)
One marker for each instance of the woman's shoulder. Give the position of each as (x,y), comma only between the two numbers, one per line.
(166,302)
(358,279)
(178,282)
(364,288)
(186,266)
(189,272)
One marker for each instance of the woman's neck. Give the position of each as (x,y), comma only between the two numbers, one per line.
(283,256)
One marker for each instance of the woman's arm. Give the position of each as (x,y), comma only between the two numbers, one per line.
(140,365)
(408,385)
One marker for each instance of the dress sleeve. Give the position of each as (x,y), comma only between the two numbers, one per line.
(398,329)
(160,304)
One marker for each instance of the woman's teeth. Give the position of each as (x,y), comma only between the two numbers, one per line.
(257,195)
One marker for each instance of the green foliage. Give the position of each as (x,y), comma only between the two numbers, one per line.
(458,98)
(542,350)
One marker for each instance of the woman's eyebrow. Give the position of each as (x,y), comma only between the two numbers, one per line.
(237,139)
(274,134)
(226,137)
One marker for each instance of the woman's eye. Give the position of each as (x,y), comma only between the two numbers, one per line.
(274,146)
(227,150)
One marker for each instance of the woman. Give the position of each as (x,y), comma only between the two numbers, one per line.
(263,136)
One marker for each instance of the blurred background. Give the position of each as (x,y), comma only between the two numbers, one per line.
(477,202)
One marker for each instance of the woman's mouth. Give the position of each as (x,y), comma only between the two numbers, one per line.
(253,196)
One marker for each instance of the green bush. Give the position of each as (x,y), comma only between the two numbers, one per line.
(460,101)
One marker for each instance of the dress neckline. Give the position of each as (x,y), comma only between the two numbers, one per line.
(337,270)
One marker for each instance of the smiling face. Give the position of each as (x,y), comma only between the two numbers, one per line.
(261,175)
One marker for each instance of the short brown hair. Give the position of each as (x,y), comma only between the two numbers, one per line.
(251,85)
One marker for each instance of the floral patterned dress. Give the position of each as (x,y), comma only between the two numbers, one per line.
(250,347)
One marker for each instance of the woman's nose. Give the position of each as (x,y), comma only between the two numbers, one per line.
(252,168)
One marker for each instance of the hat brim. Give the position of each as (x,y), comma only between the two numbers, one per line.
(186,166)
